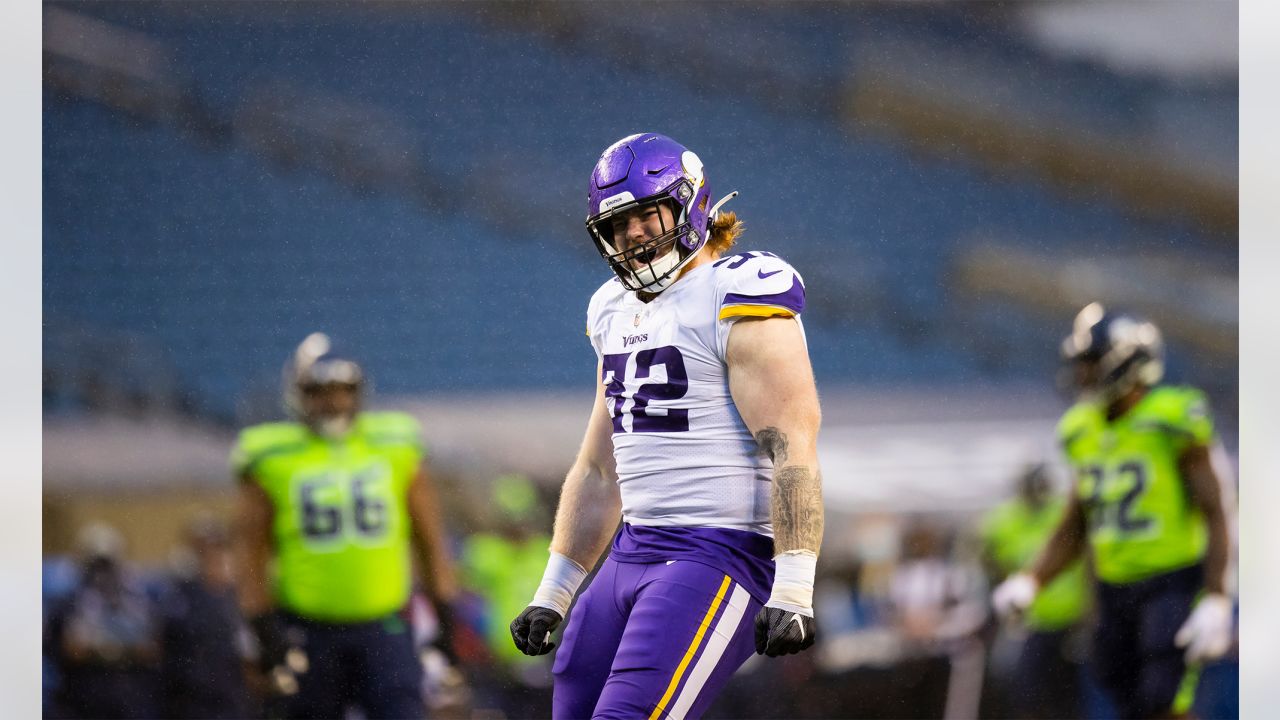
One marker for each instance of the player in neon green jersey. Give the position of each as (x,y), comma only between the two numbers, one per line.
(1147,505)
(335,508)
(1046,682)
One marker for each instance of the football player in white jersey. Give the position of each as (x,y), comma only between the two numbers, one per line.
(702,440)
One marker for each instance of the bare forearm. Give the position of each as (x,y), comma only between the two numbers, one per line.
(1216,555)
(588,514)
(438,578)
(1063,548)
(796,499)
(797,508)
(430,540)
(1205,491)
(1208,498)
(254,590)
(254,549)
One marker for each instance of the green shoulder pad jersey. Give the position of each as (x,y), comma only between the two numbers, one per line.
(506,573)
(341,528)
(1141,521)
(1015,533)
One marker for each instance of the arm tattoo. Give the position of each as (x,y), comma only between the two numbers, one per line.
(773,443)
(797,509)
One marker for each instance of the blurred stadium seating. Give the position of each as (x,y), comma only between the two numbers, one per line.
(341,172)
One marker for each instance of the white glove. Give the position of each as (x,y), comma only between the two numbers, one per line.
(1207,633)
(1015,594)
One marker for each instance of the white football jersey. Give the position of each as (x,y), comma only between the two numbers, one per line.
(684,455)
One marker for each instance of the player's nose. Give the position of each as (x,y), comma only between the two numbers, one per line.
(635,230)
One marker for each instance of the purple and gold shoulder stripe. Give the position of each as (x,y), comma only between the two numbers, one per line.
(788,303)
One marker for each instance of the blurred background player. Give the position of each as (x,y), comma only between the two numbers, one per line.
(105,637)
(1045,681)
(340,501)
(702,440)
(502,565)
(938,609)
(203,635)
(1147,504)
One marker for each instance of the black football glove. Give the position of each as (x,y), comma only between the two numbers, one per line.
(532,630)
(273,641)
(782,632)
(447,624)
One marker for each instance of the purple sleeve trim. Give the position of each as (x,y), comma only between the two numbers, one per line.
(792,299)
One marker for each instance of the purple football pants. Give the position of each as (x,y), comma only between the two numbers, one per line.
(652,640)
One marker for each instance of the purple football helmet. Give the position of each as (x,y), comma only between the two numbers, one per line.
(641,170)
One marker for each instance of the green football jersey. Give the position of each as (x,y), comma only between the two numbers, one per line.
(1015,533)
(1141,520)
(506,573)
(341,528)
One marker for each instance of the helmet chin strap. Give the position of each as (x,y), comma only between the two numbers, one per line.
(648,276)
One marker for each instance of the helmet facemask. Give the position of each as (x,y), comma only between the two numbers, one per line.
(652,265)
(1125,367)
(320,414)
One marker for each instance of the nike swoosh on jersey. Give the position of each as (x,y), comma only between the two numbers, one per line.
(762,274)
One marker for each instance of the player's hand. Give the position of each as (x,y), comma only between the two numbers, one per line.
(532,630)
(273,643)
(1015,595)
(783,632)
(447,624)
(1207,633)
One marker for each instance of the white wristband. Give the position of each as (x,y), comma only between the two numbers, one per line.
(559,583)
(793,581)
